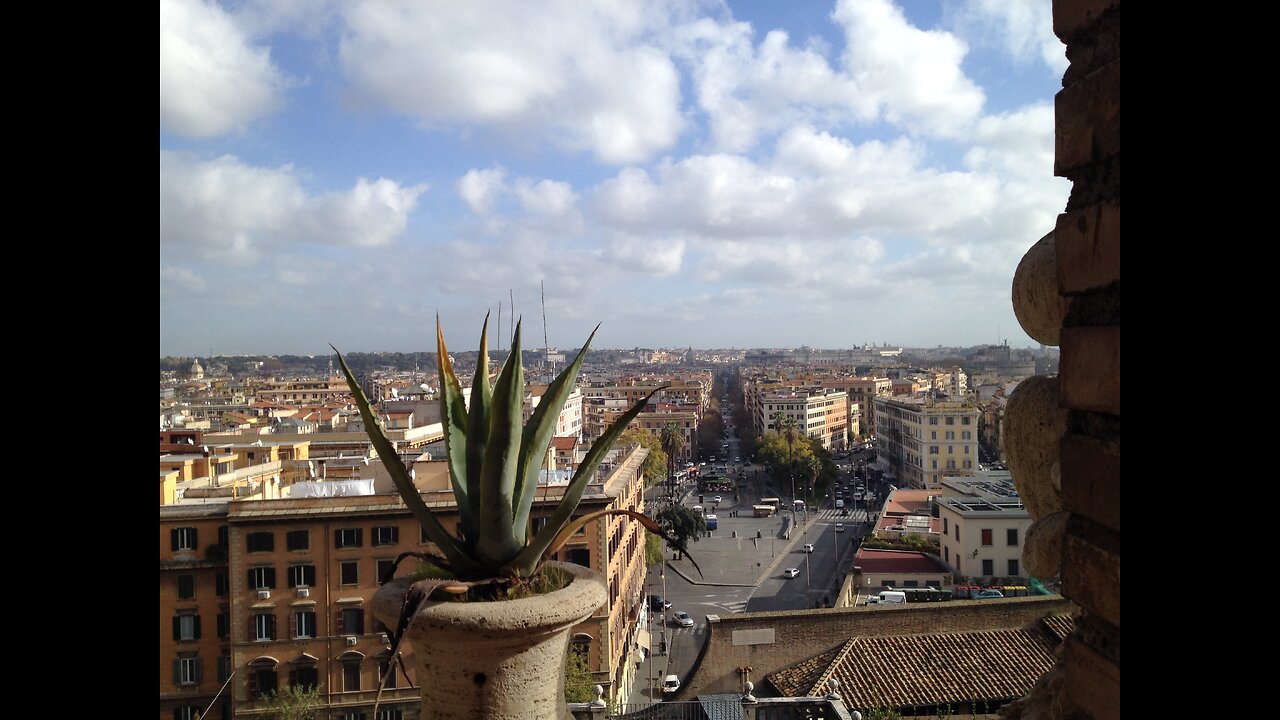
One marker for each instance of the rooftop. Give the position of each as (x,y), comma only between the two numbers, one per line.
(897,561)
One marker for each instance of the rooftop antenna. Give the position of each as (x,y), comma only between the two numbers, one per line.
(512,320)
(498,327)
(546,348)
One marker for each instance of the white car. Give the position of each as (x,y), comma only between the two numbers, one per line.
(808,547)
(791,572)
(715,499)
(839,527)
(682,619)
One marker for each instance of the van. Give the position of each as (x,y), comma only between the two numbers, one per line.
(839,504)
(893,597)
(670,683)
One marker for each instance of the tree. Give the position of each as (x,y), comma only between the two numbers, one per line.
(652,549)
(294,702)
(578,681)
(682,523)
(672,441)
(656,463)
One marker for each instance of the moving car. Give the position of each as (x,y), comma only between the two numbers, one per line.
(682,619)
(670,683)
(715,499)
(808,547)
(839,527)
(657,602)
(791,572)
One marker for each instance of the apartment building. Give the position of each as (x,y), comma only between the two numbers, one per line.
(921,440)
(984,526)
(303,392)
(817,412)
(277,592)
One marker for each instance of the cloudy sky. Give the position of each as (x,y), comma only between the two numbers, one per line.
(714,174)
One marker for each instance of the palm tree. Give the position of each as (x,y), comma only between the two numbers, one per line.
(673,442)
(813,466)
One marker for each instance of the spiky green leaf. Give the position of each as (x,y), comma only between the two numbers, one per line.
(454,420)
(537,435)
(529,558)
(456,555)
(477,434)
(499,542)
(649,523)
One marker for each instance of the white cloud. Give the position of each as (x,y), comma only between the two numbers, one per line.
(212,79)
(546,197)
(177,279)
(478,188)
(913,76)
(653,256)
(226,209)
(579,75)
(1024,28)
(1019,143)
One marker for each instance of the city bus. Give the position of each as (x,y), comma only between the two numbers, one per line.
(763,510)
(712,522)
(799,506)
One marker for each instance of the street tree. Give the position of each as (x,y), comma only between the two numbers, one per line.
(656,463)
(682,523)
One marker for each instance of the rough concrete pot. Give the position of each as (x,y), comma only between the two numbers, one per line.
(501,659)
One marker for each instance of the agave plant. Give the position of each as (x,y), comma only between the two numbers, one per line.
(494,463)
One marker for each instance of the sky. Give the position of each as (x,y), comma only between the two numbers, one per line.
(683,173)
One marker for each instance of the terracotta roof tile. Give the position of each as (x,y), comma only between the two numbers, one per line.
(897,561)
(927,670)
(564,443)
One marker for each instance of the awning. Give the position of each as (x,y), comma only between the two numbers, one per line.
(643,639)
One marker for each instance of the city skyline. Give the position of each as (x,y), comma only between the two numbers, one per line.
(687,173)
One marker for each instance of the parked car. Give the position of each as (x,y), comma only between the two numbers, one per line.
(791,572)
(808,547)
(987,594)
(839,527)
(682,619)
(670,683)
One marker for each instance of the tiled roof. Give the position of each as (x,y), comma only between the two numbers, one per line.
(1059,625)
(902,502)
(564,443)
(796,680)
(927,670)
(896,561)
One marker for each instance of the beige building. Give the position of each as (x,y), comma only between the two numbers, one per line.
(984,526)
(277,591)
(818,413)
(921,440)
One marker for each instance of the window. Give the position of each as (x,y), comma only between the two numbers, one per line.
(264,626)
(262,682)
(986,536)
(386,535)
(304,624)
(224,668)
(933,434)
(1013,568)
(1011,537)
(933,421)
(945,529)
(966,449)
(186,712)
(186,627)
(224,625)
(182,539)
(353,715)
(347,537)
(933,449)
(262,578)
(350,676)
(304,677)
(965,420)
(951,420)
(221,586)
(390,714)
(302,576)
(297,540)
(951,434)
(350,621)
(988,567)
(935,465)
(350,572)
(260,542)
(422,535)
(186,586)
(957,532)
(224,536)
(186,671)
(386,568)
(580,556)
(946,553)
(385,665)
(965,435)
(910,583)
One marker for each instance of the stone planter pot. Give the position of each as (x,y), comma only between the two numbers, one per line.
(500,659)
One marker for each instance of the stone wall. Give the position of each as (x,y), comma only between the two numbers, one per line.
(1063,433)
(770,641)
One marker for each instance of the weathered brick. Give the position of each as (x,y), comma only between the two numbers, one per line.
(1072,17)
(1091,578)
(1089,369)
(1087,120)
(1087,243)
(1092,683)
(1091,479)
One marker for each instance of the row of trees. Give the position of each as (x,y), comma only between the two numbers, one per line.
(790,455)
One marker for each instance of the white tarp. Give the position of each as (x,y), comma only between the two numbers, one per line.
(331,488)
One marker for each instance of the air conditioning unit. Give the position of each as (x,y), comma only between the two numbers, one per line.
(264,594)
(304,592)
(352,640)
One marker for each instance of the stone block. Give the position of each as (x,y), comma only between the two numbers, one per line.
(1091,578)
(1089,370)
(1091,479)
(1087,246)
(1092,683)
(1087,120)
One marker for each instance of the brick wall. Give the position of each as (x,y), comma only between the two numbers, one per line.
(802,634)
